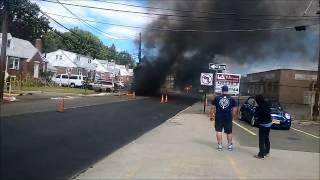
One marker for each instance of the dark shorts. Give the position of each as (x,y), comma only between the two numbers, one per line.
(226,125)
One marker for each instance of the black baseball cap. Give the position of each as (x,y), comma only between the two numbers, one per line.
(225,88)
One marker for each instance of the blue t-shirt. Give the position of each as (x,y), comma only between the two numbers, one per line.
(224,105)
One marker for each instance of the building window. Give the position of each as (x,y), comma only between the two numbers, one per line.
(89,60)
(8,43)
(60,57)
(13,63)
(78,58)
(57,57)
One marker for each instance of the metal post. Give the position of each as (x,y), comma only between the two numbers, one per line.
(3,49)
(204,100)
(140,47)
(316,100)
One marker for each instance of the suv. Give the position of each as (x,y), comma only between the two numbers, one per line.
(107,86)
(72,80)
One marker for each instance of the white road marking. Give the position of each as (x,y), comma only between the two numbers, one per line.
(250,132)
(306,133)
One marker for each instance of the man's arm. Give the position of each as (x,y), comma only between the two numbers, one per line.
(234,113)
(212,113)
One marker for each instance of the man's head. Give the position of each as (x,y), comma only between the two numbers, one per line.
(225,89)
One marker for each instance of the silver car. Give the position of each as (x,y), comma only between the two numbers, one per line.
(103,86)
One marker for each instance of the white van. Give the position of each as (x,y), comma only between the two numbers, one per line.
(72,80)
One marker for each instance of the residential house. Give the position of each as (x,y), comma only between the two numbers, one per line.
(125,74)
(71,63)
(23,59)
(62,61)
(101,69)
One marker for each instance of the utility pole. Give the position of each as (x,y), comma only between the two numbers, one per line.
(139,56)
(3,48)
(316,99)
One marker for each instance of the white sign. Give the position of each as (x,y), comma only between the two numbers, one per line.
(206,79)
(230,80)
(213,66)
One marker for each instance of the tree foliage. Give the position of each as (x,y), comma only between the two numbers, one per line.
(86,43)
(25,20)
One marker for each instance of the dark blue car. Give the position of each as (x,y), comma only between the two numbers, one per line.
(280,118)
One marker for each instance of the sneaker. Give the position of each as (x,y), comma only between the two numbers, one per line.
(230,147)
(258,157)
(219,147)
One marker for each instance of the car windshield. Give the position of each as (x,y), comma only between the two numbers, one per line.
(276,105)
(106,83)
(275,111)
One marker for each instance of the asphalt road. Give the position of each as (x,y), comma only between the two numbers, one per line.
(54,145)
(49,102)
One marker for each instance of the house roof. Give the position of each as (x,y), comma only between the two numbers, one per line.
(66,61)
(100,65)
(20,48)
(69,59)
(51,68)
(83,62)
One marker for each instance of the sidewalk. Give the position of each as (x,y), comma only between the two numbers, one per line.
(184,147)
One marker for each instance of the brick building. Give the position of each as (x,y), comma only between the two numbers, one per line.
(23,59)
(284,85)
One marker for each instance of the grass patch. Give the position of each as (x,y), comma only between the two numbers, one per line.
(58,90)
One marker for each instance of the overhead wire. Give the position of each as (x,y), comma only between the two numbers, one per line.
(87,24)
(191,30)
(173,15)
(192,11)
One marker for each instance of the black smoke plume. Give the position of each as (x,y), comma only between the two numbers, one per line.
(187,54)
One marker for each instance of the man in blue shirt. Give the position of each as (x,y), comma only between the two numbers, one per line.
(224,112)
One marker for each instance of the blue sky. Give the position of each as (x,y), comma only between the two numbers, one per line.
(122,37)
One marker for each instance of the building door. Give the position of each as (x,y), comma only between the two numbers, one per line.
(36,69)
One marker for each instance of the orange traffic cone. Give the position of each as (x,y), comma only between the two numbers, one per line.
(161,99)
(61,105)
(166,98)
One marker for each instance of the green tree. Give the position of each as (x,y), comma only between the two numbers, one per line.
(25,20)
(86,43)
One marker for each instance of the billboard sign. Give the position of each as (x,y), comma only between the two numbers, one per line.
(231,80)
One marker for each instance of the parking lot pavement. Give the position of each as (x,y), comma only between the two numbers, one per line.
(298,138)
(184,147)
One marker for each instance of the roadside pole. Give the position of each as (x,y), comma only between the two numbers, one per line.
(204,99)
(316,101)
(3,48)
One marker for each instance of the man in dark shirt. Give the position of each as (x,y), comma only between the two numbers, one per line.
(224,113)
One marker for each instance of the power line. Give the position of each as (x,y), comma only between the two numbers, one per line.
(190,30)
(167,15)
(192,11)
(84,22)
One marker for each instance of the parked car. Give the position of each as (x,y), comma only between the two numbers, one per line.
(280,118)
(103,86)
(71,81)
(119,84)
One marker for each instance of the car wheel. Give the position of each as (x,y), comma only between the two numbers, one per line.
(72,85)
(240,116)
(108,90)
(253,121)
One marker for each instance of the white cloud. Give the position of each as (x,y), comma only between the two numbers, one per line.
(117,17)
(122,32)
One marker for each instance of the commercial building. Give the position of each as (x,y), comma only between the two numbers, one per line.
(284,85)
